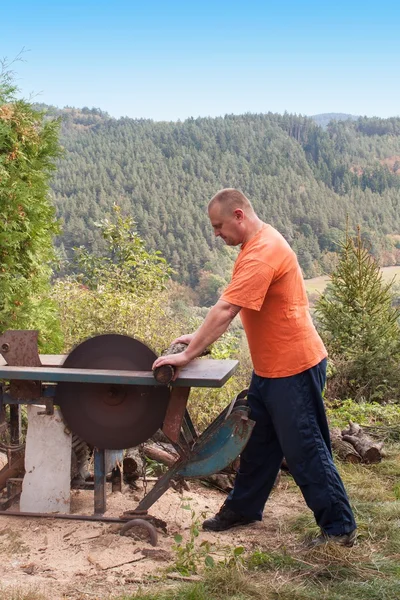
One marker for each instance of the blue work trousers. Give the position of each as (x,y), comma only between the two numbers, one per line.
(291,422)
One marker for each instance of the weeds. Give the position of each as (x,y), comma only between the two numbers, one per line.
(189,554)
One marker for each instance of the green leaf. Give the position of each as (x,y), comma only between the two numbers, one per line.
(178,538)
(209,561)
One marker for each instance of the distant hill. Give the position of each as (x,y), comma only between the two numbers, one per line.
(302,179)
(325,118)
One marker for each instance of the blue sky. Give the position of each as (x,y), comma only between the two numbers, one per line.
(171,60)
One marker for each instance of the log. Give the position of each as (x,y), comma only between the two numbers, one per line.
(344,450)
(352,429)
(161,456)
(132,464)
(165,373)
(11,470)
(3,459)
(368,449)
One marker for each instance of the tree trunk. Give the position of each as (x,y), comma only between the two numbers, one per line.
(13,469)
(165,374)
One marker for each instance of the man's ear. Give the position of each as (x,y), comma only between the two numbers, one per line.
(239,214)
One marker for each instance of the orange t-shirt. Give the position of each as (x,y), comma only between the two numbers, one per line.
(268,284)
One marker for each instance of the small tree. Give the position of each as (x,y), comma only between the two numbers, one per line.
(360,325)
(28,147)
(126,264)
(120,291)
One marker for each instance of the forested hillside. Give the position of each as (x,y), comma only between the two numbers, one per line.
(302,178)
(325,118)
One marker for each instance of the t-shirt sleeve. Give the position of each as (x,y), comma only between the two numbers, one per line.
(250,282)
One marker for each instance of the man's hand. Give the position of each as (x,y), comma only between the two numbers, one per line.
(184,339)
(213,326)
(175,360)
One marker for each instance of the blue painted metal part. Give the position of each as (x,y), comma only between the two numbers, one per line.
(213,451)
(219,445)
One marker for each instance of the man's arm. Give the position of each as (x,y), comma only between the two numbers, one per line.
(214,325)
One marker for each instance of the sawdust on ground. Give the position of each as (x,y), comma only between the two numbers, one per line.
(80,560)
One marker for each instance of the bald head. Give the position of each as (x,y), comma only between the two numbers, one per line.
(229,199)
(232,217)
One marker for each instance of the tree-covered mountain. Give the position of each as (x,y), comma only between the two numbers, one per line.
(325,118)
(304,180)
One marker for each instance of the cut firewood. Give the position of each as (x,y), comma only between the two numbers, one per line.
(352,429)
(132,465)
(367,448)
(165,374)
(161,456)
(344,450)
(13,469)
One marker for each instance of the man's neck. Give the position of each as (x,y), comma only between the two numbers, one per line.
(255,226)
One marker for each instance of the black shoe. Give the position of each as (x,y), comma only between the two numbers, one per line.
(225,519)
(347,539)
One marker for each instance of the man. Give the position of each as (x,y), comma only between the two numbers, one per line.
(289,359)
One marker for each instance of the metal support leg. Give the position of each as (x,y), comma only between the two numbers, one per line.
(160,487)
(3,422)
(100,504)
(15,423)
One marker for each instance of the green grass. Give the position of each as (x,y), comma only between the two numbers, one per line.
(368,571)
(317,285)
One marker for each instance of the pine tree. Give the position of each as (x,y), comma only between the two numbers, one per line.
(359,323)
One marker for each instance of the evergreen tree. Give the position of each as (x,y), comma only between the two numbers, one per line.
(359,323)
(301,179)
(28,147)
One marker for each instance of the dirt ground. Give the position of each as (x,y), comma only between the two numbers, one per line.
(90,560)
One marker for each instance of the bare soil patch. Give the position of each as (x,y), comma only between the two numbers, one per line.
(80,560)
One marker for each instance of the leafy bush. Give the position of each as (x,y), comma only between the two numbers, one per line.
(366,413)
(121,291)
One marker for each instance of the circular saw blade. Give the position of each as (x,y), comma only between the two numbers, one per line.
(112,416)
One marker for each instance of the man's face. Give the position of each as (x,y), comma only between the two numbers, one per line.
(227,224)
